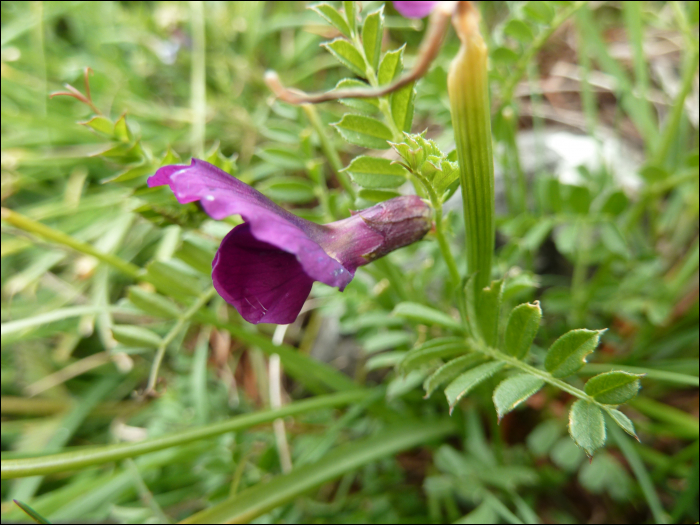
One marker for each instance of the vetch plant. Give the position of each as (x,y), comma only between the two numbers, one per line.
(113,331)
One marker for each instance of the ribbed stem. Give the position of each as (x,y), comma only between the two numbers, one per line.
(467,84)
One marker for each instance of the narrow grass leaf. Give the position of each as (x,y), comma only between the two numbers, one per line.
(587,426)
(34,515)
(152,303)
(67,461)
(523,323)
(173,281)
(380,341)
(347,55)
(449,371)
(464,384)
(263,497)
(568,353)
(426,315)
(376,173)
(364,131)
(513,391)
(613,388)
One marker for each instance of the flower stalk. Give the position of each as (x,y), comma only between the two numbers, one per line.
(467,85)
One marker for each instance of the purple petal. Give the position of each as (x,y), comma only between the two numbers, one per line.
(414,9)
(222,195)
(264,283)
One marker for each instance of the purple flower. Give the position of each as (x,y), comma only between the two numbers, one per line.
(414,9)
(265,267)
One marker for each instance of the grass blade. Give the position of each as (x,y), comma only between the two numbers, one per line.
(262,498)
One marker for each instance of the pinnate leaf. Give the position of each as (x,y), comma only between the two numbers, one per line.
(513,391)
(568,353)
(587,426)
(364,131)
(347,55)
(523,323)
(376,173)
(613,388)
(466,382)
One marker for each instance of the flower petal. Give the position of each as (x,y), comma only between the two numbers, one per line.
(414,9)
(222,195)
(263,282)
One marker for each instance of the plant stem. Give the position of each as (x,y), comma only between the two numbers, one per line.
(198,78)
(690,65)
(329,150)
(172,334)
(29,225)
(479,346)
(67,461)
(526,58)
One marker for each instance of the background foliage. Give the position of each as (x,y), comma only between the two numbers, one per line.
(594,112)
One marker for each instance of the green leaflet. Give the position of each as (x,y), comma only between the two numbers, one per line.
(568,353)
(464,384)
(523,323)
(613,388)
(364,131)
(587,426)
(333,17)
(513,391)
(376,173)
(372,33)
(347,55)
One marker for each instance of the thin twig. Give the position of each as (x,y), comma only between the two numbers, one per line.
(170,337)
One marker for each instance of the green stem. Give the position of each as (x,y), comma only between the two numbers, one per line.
(29,225)
(444,245)
(172,334)
(67,461)
(670,132)
(526,58)
(198,78)
(329,150)
(482,348)
(374,82)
